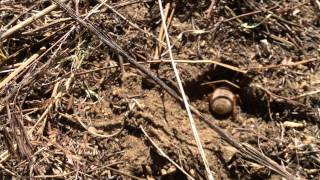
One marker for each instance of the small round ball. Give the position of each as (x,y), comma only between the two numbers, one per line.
(221,106)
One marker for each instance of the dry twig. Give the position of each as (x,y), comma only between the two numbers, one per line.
(28,21)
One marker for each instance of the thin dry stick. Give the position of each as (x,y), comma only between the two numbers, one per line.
(45,113)
(164,154)
(8,171)
(28,21)
(32,31)
(310,93)
(161,61)
(184,97)
(169,61)
(109,165)
(56,96)
(53,176)
(73,156)
(17,17)
(207,61)
(169,20)
(248,14)
(57,22)
(132,24)
(209,10)
(91,129)
(249,152)
(195,61)
(123,173)
(275,96)
(129,3)
(272,66)
(24,65)
(4,156)
(13,66)
(160,36)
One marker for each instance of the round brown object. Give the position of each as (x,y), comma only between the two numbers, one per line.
(222,101)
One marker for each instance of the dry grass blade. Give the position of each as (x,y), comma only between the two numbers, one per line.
(182,61)
(308,94)
(12,75)
(28,21)
(132,24)
(249,152)
(91,129)
(257,156)
(164,154)
(123,173)
(8,171)
(184,97)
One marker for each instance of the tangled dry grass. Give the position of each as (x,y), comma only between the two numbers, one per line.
(87,90)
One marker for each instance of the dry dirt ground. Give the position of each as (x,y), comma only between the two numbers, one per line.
(74,108)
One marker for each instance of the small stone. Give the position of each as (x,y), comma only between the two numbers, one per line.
(172,170)
(163,172)
(228,152)
(148,169)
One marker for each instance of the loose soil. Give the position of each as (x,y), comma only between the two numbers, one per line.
(58,114)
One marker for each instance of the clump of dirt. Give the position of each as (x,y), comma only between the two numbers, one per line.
(73,107)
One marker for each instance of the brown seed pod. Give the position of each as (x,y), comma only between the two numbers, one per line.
(222,101)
